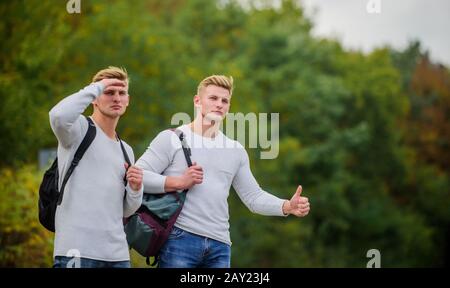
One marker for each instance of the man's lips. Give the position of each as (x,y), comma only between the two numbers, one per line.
(218,112)
(116,107)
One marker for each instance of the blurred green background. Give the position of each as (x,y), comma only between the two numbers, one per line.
(367,135)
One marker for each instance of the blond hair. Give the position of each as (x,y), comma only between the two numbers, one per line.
(111,72)
(218,80)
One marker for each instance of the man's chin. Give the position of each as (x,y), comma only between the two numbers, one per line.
(213,118)
(115,114)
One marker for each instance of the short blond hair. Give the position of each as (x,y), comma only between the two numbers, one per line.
(110,73)
(218,80)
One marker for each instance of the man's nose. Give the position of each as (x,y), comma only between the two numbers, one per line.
(116,97)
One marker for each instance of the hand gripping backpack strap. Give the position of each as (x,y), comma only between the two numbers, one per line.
(87,140)
(186,149)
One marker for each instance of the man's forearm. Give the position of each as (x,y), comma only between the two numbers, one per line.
(172,183)
(64,114)
(70,108)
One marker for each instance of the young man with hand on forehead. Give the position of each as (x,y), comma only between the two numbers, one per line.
(88,222)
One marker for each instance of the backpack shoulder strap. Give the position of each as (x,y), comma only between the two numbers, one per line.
(87,140)
(124,152)
(127,159)
(186,149)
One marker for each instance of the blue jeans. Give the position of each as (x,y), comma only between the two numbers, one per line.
(63,262)
(187,250)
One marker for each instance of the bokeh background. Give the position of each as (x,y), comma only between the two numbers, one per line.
(365,132)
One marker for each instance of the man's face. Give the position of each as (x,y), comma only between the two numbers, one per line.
(113,101)
(213,102)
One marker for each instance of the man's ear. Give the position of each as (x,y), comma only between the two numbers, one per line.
(196,100)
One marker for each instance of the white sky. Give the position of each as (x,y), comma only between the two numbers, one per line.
(398,22)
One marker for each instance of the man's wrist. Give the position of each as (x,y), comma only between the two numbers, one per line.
(132,190)
(178,183)
(286,207)
(136,190)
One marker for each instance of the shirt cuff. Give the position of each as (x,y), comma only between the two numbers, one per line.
(154,183)
(98,88)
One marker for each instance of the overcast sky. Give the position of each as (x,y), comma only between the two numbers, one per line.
(397,23)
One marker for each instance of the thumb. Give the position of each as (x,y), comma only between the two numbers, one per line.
(194,163)
(126,166)
(299,191)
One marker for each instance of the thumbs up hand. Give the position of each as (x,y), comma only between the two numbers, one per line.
(298,205)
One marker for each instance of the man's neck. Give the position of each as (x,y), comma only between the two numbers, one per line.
(205,128)
(107,124)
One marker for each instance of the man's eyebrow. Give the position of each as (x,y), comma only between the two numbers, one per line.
(214,95)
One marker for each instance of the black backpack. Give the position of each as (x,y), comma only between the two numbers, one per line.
(49,196)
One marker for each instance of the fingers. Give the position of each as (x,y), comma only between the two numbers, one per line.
(113,82)
(196,168)
(298,201)
(134,174)
(197,177)
(133,170)
(303,205)
(193,175)
(301,212)
(195,172)
(299,190)
(303,200)
(300,207)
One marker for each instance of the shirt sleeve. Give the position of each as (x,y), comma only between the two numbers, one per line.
(257,200)
(156,159)
(65,116)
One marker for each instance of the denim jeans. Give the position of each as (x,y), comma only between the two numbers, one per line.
(63,262)
(188,250)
